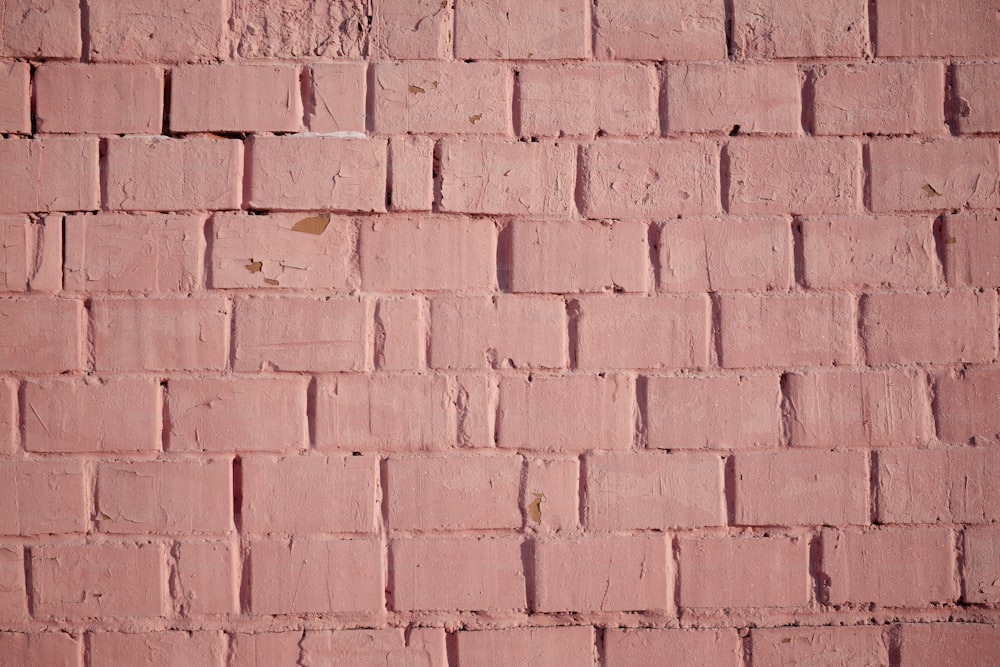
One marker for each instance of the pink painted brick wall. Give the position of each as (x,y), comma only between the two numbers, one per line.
(463,332)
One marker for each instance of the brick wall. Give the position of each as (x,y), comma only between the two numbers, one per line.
(468,332)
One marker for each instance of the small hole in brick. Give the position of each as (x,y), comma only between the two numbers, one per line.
(735,131)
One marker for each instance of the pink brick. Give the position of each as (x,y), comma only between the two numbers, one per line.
(54,649)
(927,645)
(206,578)
(49,174)
(820,647)
(265,649)
(966,405)
(214,98)
(442,97)
(134,253)
(161,334)
(975,93)
(265,251)
(159,649)
(161,174)
(551,494)
(400,324)
(515,331)
(891,567)
(504,177)
(653,490)
(403,254)
(654,30)
(648,332)
(50,328)
(981,571)
(585,99)
(99,99)
(15,102)
(567,257)
(338,97)
(543,413)
(332,576)
(44,497)
(971,248)
(8,416)
(922,175)
(496,30)
(13,598)
(296,334)
(800,488)
(807,176)
(309,494)
(41,29)
(954,485)
(971,31)
(712,413)
(763,331)
(132,497)
(886,251)
(929,328)
(456,573)
(789,29)
(744,572)
(157,31)
(110,580)
(621,573)
(245,414)
(696,648)
(446,493)
(408,30)
(711,254)
(650,180)
(391,646)
(858,409)
(748,98)
(411,173)
(299,29)
(527,646)
(31,252)
(310,172)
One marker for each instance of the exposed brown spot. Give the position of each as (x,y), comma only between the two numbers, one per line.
(950,240)
(535,508)
(416,89)
(786,640)
(475,118)
(270,281)
(316,224)
(255,267)
(931,192)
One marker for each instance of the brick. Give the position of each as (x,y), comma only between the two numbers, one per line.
(442,97)
(496,30)
(404,253)
(13,597)
(975,93)
(265,251)
(245,414)
(339,92)
(206,648)
(309,494)
(662,332)
(456,574)
(8,416)
(132,497)
(213,98)
(653,490)
(49,328)
(543,413)
(620,573)
(727,572)
(99,99)
(411,173)
(971,249)
(407,30)
(931,175)
(484,332)
(929,328)
(446,492)
(649,180)
(49,174)
(981,569)
(887,251)
(949,643)
(821,647)
(747,98)
(161,334)
(299,29)
(157,31)
(134,253)
(800,488)
(31,253)
(264,649)
(788,29)
(713,254)
(110,580)
(858,409)
(763,331)
(968,30)
(46,29)
(527,646)
(297,334)
(206,578)
(504,177)
(400,324)
(44,497)
(585,99)
(161,174)
(568,257)
(391,646)
(697,648)
(913,568)
(966,407)
(333,576)
(712,413)
(478,401)
(56,649)
(15,101)
(653,30)
(551,494)
(795,175)
(954,485)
